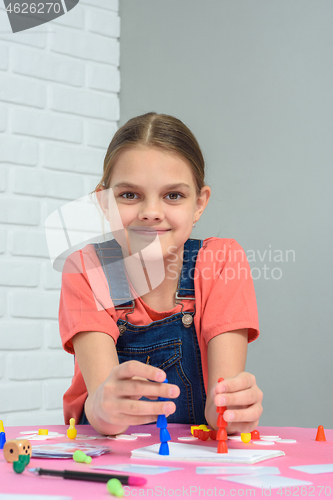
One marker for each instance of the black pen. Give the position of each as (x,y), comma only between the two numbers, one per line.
(90,476)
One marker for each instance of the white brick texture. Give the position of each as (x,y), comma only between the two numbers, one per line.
(59,108)
(48,67)
(3,118)
(3,179)
(3,57)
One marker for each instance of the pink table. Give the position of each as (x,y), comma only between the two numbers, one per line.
(180,483)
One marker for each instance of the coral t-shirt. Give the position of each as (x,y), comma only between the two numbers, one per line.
(224,298)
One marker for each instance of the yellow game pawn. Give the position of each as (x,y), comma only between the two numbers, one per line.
(71,431)
(2,429)
(246,437)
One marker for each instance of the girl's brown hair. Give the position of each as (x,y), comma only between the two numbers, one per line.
(155,130)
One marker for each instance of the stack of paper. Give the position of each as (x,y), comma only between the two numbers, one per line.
(195,453)
(66,450)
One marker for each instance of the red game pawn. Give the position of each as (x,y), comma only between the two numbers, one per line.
(212,435)
(320,434)
(222,447)
(220,421)
(255,435)
(221,433)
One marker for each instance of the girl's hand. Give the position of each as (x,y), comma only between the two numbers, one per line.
(116,401)
(243,398)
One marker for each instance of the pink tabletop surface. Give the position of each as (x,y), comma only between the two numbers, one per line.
(179,483)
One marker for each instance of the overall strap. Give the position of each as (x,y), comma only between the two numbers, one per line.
(185,288)
(112,260)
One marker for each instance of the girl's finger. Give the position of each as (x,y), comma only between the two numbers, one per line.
(130,369)
(134,407)
(241,382)
(241,398)
(139,388)
(250,414)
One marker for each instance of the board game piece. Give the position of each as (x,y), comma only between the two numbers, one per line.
(222,447)
(187,438)
(246,437)
(212,434)
(124,437)
(221,423)
(222,434)
(16,447)
(204,434)
(2,435)
(114,487)
(161,422)
(265,443)
(43,432)
(141,434)
(320,434)
(80,457)
(164,433)
(255,435)
(2,440)
(164,449)
(71,431)
(18,466)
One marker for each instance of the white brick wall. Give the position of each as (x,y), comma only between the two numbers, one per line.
(59,108)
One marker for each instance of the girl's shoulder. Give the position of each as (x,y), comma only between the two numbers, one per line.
(214,242)
(221,250)
(80,260)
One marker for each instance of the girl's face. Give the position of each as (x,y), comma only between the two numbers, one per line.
(155,192)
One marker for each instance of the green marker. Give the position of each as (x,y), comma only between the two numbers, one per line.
(81,457)
(115,488)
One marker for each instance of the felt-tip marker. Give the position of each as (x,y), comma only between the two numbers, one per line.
(90,476)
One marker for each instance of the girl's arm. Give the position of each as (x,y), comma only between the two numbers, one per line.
(226,358)
(114,389)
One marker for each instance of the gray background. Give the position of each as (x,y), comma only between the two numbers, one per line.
(253,80)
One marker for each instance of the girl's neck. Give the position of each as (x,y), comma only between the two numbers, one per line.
(161,297)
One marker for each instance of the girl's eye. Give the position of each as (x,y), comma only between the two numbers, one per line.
(175,196)
(128,196)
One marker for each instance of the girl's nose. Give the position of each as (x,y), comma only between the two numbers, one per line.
(151,210)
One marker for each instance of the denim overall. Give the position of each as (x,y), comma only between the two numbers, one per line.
(171,343)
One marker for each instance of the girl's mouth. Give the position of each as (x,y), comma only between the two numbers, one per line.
(150,231)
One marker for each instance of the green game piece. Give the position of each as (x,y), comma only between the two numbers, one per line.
(25,459)
(18,466)
(114,487)
(81,457)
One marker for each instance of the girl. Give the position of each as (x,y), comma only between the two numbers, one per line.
(191,324)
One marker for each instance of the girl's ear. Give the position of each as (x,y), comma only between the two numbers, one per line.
(103,201)
(202,201)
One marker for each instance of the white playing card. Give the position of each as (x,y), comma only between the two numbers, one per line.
(314,469)
(265,481)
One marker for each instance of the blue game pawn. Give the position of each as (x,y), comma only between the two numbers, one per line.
(2,440)
(164,449)
(162,422)
(164,435)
